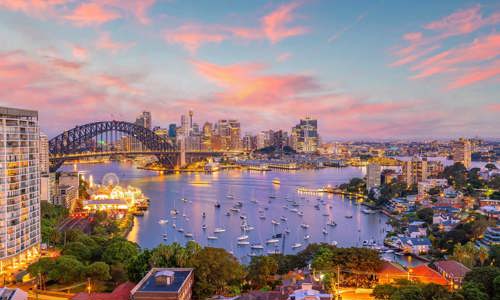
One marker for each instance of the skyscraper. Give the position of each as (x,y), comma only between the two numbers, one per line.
(462,152)
(415,170)
(305,136)
(373,172)
(144,119)
(20,186)
(172,130)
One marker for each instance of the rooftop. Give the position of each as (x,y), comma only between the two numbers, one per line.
(452,268)
(149,283)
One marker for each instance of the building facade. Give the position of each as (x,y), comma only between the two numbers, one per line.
(462,152)
(19,186)
(373,172)
(305,136)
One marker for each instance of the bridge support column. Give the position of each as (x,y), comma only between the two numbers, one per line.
(182,154)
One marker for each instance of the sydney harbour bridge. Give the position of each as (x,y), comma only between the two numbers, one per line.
(108,138)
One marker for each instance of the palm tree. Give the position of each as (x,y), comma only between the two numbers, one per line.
(483,255)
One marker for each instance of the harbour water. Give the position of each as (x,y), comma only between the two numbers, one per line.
(194,197)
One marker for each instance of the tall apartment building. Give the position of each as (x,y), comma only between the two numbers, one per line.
(415,170)
(44,154)
(373,172)
(462,151)
(19,186)
(305,136)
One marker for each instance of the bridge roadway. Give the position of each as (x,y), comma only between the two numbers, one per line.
(142,152)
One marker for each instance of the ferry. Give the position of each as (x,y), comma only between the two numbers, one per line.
(276,181)
(272,241)
(296,245)
(219,230)
(257,246)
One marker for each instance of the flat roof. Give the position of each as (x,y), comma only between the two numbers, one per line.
(17,112)
(149,282)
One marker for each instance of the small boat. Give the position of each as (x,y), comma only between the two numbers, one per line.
(165,238)
(230,196)
(306,237)
(219,230)
(276,181)
(253,201)
(183,199)
(274,222)
(296,245)
(325,232)
(162,221)
(203,215)
(294,210)
(234,209)
(248,228)
(243,217)
(287,231)
(272,241)
(174,225)
(228,214)
(326,214)
(271,252)
(331,223)
(348,216)
(257,246)
(212,237)
(184,215)
(188,235)
(334,243)
(283,218)
(174,212)
(252,254)
(365,243)
(368,211)
(300,213)
(180,229)
(304,225)
(204,227)
(243,237)
(243,243)
(217,205)
(262,217)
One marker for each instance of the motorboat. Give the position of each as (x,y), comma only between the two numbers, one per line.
(271,252)
(368,211)
(184,200)
(203,215)
(174,212)
(283,218)
(334,243)
(272,241)
(365,243)
(219,230)
(243,243)
(326,214)
(325,232)
(276,181)
(188,235)
(174,225)
(210,237)
(306,237)
(296,245)
(294,210)
(272,197)
(257,246)
(234,209)
(162,221)
(204,227)
(228,214)
(217,205)
(248,228)
(243,237)
(262,217)
(274,222)
(180,229)
(230,196)
(287,231)
(348,216)
(300,213)
(331,223)
(243,217)
(304,225)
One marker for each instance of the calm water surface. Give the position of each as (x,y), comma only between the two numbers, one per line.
(202,191)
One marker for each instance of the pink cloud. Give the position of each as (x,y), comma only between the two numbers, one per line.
(138,9)
(79,52)
(192,36)
(105,42)
(274,25)
(284,56)
(91,14)
(494,107)
(116,83)
(32,7)
(476,75)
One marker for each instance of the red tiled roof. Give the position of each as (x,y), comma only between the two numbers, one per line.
(452,268)
(122,292)
(425,274)
(389,268)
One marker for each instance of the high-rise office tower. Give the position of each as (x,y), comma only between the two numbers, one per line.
(20,186)
(172,130)
(144,119)
(415,170)
(305,136)
(206,139)
(462,152)
(190,121)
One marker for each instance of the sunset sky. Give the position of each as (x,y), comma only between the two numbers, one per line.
(364,69)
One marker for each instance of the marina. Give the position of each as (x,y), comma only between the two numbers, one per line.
(247,212)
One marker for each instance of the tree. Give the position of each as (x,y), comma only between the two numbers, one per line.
(173,255)
(456,175)
(41,268)
(118,273)
(495,255)
(496,287)
(67,269)
(490,166)
(425,214)
(260,270)
(215,271)
(483,255)
(473,291)
(98,271)
(465,254)
(483,277)
(384,291)
(139,266)
(120,251)
(409,292)
(78,250)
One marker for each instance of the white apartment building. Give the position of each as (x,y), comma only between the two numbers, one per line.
(19,187)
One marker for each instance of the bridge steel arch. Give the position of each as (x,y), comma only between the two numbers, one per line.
(74,140)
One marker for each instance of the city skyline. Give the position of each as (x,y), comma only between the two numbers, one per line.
(382,70)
